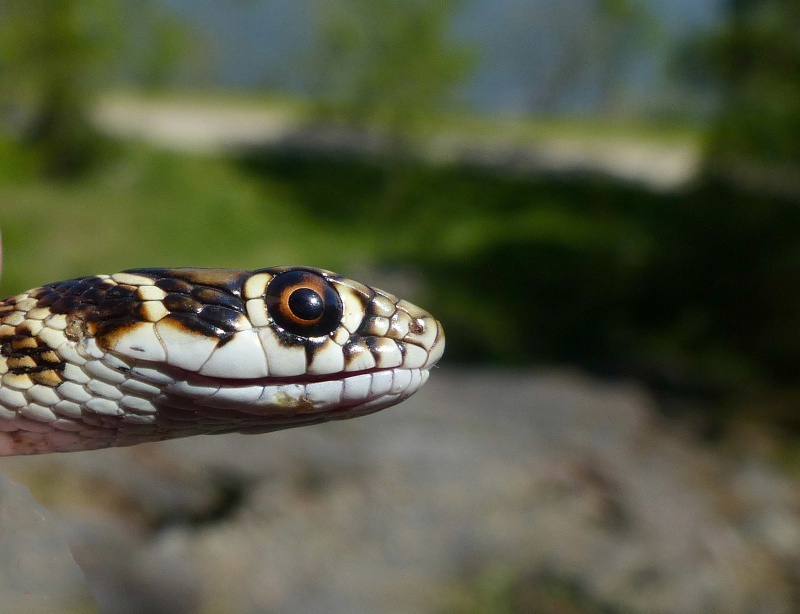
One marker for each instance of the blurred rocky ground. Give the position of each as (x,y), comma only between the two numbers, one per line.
(489,491)
(38,574)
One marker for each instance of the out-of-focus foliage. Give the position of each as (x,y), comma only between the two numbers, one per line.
(577,49)
(56,55)
(52,56)
(150,208)
(500,589)
(387,66)
(159,44)
(387,63)
(754,60)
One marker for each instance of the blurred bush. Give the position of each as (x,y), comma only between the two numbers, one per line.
(388,66)
(753,60)
(56,56)
(386,63)
(52,54)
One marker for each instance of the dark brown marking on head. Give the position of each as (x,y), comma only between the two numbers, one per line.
(80,288)
(26,328)
(287,339)
(212,296)
(229,280)
(224,339)
(363,329)
(170,284)
(368,322)
(106,310)
(107,334)
(115,308)
(109,327)
(372,346)
(371,308)
(46,298)
(102,308)
(63,286)
(181,303)
(311,346)
(221,317)
(77,295)
(351,349)
(65,304)
(113,292)
(192,323)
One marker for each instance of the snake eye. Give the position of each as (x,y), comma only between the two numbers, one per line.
(303,303)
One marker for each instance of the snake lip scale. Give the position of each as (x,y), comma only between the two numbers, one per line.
(266,381)
(152,354)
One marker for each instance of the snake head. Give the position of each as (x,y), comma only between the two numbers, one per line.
(160,353)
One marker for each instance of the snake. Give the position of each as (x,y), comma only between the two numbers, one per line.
(159,353)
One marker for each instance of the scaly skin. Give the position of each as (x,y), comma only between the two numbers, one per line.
(152,354)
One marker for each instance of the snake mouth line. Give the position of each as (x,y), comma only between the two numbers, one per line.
(232,382)
(291,401)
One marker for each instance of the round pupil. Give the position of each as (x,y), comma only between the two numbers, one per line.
(306,304)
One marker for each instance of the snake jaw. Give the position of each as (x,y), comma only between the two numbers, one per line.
(154,354)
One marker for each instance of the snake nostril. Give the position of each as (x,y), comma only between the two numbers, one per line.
(417,326)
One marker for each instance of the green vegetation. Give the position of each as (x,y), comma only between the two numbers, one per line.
(56,55)
(753,61)
(386,62)
(499,589)
(52,55)
(758,62)
(151,208)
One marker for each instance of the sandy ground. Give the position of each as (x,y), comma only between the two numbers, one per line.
(209,127)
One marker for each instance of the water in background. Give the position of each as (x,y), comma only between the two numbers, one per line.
(266,44)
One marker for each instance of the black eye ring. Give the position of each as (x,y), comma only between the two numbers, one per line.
(303,303)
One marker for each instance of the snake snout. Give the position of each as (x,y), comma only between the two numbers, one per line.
(421,329)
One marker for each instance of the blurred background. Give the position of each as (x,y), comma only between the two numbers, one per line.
(599,199)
